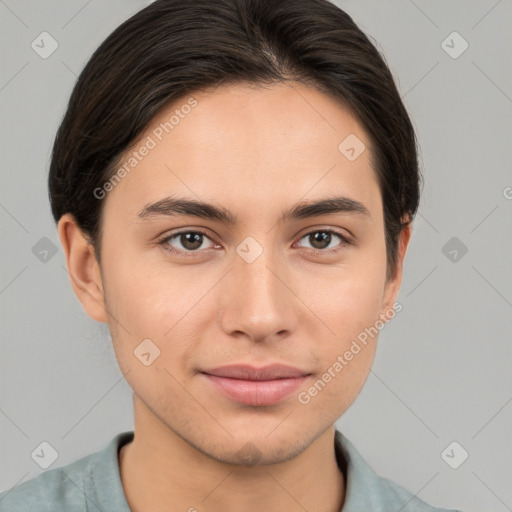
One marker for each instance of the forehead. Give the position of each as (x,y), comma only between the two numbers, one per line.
(252,146)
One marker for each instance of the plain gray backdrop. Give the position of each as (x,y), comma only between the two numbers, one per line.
(442,369)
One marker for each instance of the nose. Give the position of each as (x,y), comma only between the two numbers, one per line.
(257,300)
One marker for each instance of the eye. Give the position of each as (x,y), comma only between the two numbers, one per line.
(322,241)
(186,243)
(191,243)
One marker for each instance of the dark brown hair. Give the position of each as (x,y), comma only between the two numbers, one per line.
(173,48)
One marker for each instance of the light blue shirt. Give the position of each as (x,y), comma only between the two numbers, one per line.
(93,484)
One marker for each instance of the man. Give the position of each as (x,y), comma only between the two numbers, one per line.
(234,184)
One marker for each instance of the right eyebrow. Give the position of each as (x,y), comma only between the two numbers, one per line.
(172,206)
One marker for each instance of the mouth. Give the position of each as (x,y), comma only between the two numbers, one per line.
(256,386)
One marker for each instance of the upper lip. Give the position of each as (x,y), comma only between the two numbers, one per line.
(248,372)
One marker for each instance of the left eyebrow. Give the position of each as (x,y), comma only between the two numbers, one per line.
(171,206)
(338,204)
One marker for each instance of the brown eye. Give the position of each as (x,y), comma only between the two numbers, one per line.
(186,242)
(325,240)
(320,239)
(191,241)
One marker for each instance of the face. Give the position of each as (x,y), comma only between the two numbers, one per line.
(254,286)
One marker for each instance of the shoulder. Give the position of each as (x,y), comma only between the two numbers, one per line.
(403,500)
(88,483)
(56,490)
(365,490)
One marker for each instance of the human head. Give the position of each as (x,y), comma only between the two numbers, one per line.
(273,89)
(182,46)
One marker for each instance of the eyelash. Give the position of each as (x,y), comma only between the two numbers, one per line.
(164,242)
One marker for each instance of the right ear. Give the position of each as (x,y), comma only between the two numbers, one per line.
(83,268)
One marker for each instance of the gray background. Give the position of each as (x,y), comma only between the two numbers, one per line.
(442,369)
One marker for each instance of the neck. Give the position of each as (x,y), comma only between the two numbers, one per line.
(159,468)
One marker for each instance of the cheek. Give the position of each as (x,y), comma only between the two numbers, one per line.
(347,298)
(348,303)
(345,341)
(165,303)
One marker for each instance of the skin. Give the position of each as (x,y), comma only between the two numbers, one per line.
(256,152)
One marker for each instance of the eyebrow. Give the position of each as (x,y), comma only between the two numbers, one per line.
(172,206)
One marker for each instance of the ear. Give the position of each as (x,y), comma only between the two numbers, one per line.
(392,286)
(83,268)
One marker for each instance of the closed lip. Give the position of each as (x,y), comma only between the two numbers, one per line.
(248,372)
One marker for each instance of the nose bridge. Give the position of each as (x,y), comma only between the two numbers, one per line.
(259,303)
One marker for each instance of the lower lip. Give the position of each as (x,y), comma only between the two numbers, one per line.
(256,392)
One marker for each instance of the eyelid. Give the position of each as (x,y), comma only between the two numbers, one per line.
(345,234)
(345,240)
(162,241)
